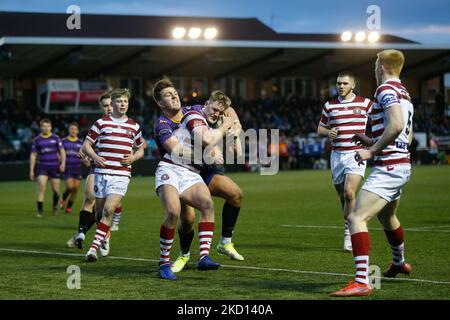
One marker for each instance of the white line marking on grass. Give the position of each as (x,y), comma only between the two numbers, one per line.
(418,229)
(226,266)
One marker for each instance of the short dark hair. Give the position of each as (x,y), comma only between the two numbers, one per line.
(45,120)
(346,73)
(160,86)
(74,124)
(104,95)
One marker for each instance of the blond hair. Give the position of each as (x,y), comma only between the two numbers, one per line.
(117,93)
(392,60)
(221,97)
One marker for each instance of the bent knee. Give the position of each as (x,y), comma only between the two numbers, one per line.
(235,197)
(206,203)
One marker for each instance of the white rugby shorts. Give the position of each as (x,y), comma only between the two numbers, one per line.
(176,176)
(105,185)
(388,181)
(343,163)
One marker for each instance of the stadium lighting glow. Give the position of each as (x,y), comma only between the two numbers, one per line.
(346,36)
(360,36)
(178,32)
(194,33)
(374,36)
(210,33)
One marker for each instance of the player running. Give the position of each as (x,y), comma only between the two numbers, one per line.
(218,184)
(72,173)
(380,195)
(87,213)
(341,119)
(178,182)
(115,136)
(47,150)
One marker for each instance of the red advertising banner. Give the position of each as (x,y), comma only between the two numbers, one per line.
(90,96)
(62,96)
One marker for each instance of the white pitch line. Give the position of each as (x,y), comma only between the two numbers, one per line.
(425,229)
(228,266)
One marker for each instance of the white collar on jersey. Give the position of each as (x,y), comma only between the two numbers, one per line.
(347,100)
(117,119)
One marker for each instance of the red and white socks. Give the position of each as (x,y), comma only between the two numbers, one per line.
(361,249)
(116,216)
(165,244)
(100,234)
(205,235)
(396,240)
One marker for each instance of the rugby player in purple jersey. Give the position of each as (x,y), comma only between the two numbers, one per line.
(47,160)
(72,175)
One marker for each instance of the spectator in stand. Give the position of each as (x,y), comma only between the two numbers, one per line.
(433,149)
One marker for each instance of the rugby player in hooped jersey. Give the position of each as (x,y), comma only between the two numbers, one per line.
(391,118)
(342,118)
(218,184)
(178,182)
(115,135)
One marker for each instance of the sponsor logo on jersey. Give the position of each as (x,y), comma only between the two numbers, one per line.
(388,100)
(357,111)
(163,132)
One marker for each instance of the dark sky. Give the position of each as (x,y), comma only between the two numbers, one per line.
(423,21)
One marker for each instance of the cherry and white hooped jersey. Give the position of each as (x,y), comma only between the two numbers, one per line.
(115,138)
(349,117)
(191,120)
(389,93)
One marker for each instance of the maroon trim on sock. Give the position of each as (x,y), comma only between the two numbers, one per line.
(361,244)
(118,210)
(395,237)
(103,227)
(166,233)
(205,226)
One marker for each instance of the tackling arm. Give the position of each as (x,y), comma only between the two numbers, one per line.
(173,146)
(212,137)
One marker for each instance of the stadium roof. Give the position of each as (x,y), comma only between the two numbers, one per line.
(40,44)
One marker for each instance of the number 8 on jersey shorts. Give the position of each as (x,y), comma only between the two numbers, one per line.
(343,163)
(176,176)
(105,184)
(388,181)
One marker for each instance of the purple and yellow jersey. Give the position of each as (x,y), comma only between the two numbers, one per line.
(164,129)
(47,148)
(72,147)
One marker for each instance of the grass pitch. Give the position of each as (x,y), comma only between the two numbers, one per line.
(290,232)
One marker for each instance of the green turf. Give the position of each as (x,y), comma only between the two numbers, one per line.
(289,198)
